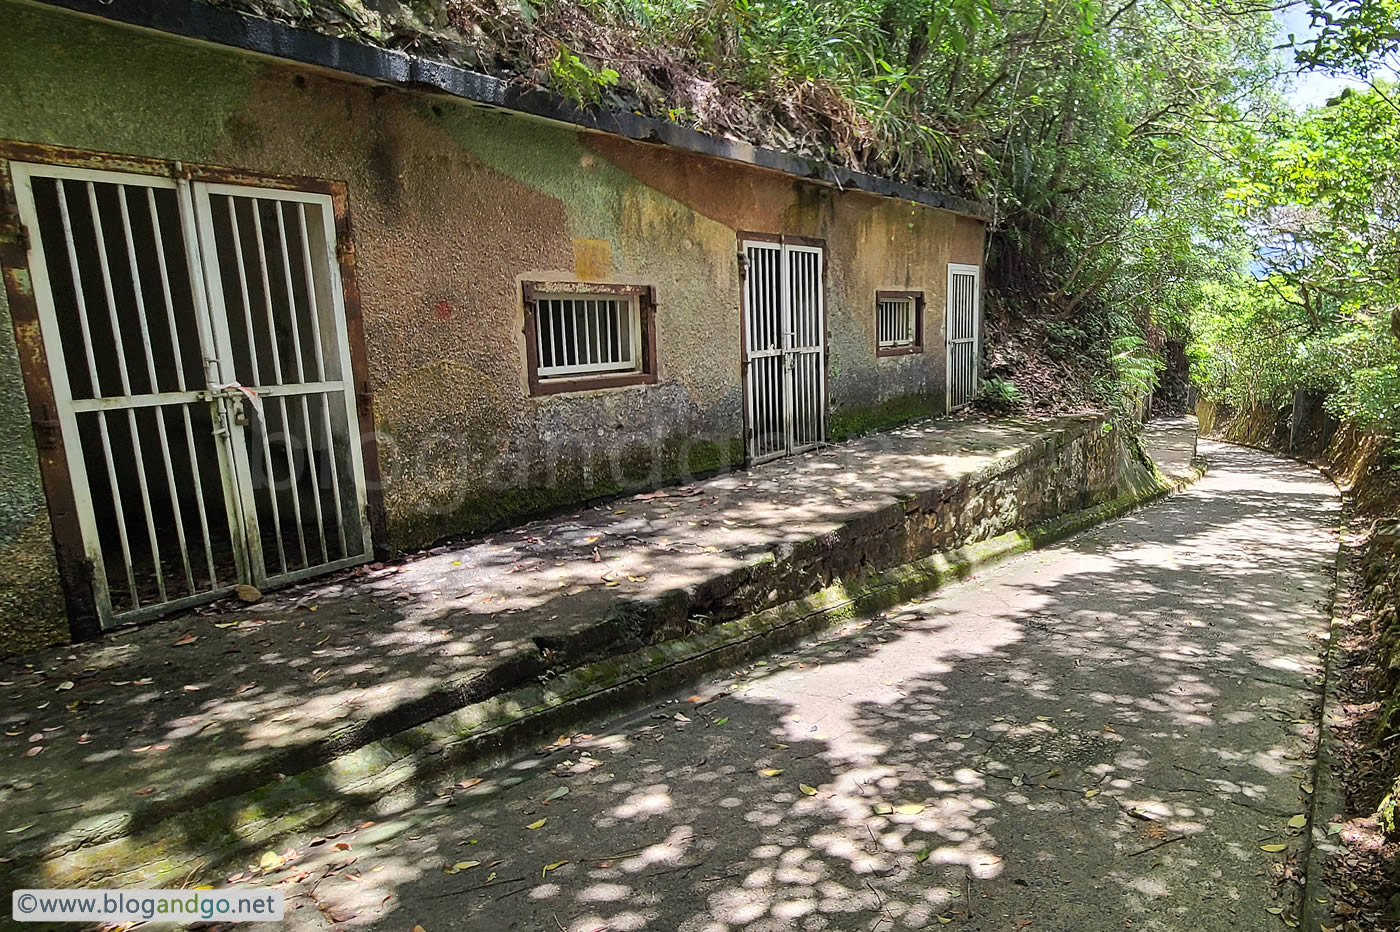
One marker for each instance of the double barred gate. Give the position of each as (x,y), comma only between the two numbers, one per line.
(197,346)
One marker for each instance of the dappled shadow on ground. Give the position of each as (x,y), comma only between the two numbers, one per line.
(191,707)
(1097,736)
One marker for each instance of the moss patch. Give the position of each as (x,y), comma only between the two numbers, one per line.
(177,104)
(850,422)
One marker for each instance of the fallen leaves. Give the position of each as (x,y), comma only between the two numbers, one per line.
(807,790)
(537,825)
(771,771)
(461,866)
(185,641)
(1273,849)
(552,867)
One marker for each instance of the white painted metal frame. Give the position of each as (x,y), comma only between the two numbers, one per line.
(604,317)
(209,317)
(962,322)
(805,309)
(895,322)
(82,183)
(291,382)
(784,349)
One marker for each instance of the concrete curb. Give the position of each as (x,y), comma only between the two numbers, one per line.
(397,773)
(1328,798)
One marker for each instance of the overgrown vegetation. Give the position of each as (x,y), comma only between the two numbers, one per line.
(1100,132)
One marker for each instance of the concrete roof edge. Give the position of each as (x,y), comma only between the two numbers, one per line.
(192,19)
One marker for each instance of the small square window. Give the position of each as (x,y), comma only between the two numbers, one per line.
(582,336)
(898,322)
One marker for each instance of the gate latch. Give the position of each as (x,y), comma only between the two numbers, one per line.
(239,393)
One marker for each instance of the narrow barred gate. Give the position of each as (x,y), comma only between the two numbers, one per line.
(784,348)
(197,345)
(963,319)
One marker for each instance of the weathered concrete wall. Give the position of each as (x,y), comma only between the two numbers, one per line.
(1079,465)
(452,207)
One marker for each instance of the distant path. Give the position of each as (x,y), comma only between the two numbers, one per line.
(1096,736)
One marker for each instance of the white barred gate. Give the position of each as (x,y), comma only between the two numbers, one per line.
(784,348)
(197,345)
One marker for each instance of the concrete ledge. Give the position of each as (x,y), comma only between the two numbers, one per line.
(398,772)
(1328,797)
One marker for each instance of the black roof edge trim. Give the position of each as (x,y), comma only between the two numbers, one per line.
(192,19)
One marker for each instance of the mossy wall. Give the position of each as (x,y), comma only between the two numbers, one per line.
(452,207)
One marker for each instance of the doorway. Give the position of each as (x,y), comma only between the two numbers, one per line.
(197,346)
(784,348)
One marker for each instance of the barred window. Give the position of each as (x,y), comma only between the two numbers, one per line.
(898,322)
(581,336)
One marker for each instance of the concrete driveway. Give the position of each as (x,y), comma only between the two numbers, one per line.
(1113,733)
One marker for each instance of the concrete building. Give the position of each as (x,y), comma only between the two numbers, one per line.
(276,303)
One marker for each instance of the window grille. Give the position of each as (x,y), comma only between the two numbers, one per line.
(895,324)
(587,335)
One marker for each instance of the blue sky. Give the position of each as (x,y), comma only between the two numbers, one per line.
(1308,89)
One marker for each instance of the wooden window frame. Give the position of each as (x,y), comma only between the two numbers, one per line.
(918,345)
(645,374)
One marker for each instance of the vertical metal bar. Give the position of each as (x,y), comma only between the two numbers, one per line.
(85,328)
(216,354)
(320,357)
(785,340)
(821,349)
(180,384)
(159,412)
(545,321)
(590,331)
(569,308)
(240,265)
(125,376)
(277,371)
(313,474)
(615,322)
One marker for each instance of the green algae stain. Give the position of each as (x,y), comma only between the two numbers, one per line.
(89,85)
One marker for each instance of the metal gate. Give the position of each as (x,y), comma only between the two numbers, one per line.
(197,346)
(784,348)
(963,320)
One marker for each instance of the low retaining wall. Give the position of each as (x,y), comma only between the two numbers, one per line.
(1076,474)
(1081,464)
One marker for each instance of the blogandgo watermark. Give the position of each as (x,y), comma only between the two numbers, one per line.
(250,905)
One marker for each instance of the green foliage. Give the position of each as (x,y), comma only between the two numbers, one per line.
(1356,36)
(1320,198)
(1002,394)
(576,80)
(1136,367)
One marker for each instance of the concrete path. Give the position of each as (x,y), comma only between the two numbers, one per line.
(1096,736)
